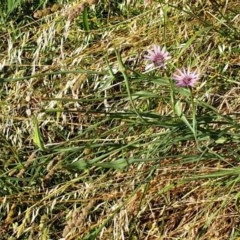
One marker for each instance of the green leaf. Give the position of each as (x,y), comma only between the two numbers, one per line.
(221,140)
(117,164)
(37,136)
(78,165)
(85,20)
(178,109)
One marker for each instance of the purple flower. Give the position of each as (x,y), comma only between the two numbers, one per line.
(185,77)
(157,57)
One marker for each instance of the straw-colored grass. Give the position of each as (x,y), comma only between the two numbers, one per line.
(95,147)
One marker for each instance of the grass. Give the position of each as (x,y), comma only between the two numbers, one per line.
(94,147)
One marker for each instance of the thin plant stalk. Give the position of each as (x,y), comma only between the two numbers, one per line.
(194,120)
(172,96)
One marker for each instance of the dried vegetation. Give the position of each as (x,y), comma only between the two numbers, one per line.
(76,160)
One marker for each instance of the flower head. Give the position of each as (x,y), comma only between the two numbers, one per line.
(185,77)
(157,57)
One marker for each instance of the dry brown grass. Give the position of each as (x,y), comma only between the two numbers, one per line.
(168,198)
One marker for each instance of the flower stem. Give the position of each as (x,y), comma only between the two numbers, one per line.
(194,120)
(172,95)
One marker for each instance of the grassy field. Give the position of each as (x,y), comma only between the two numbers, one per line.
(97,138)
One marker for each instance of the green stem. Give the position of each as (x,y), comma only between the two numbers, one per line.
(172,95)
(122,69)
(194,120)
